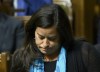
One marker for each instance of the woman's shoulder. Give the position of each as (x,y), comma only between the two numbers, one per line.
(82,44)
(90,56)
(86,48)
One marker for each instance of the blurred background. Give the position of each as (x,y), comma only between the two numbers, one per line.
(84,15)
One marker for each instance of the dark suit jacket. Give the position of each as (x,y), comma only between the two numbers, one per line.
(11,33)
(83,57)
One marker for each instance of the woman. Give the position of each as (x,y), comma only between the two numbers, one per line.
(50,46)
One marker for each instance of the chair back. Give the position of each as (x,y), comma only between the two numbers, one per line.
(4,62)
(23,18)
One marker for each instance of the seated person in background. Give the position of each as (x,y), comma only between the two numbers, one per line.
(11,33)
(29,6)
(51,47)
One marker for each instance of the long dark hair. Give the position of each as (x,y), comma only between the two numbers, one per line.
(46,17)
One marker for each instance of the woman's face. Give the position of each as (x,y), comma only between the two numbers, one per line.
(47,40)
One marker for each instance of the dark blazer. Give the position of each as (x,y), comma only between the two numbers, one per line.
(11,33)
(83,57)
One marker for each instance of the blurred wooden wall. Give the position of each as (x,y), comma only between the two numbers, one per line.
(84,14)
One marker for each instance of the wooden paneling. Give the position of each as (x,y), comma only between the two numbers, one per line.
(4,62)
(84,14)
(23,18)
